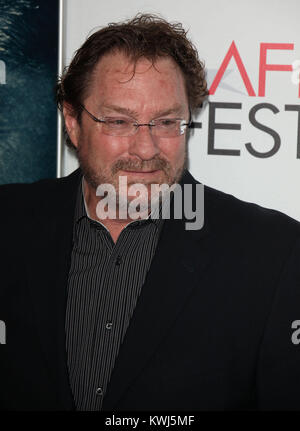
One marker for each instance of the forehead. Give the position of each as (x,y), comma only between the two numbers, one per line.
(116,78)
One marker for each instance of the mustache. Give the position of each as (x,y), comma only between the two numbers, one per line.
(139,165)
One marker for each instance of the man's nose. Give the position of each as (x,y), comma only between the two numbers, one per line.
(143,144)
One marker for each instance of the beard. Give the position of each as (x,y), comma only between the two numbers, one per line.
(109,175)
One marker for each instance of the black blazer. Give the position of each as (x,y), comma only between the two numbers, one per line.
(212,327)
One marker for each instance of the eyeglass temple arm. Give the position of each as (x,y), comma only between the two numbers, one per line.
(190,123)
(91,115)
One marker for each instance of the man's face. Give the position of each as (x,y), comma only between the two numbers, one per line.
(148,94)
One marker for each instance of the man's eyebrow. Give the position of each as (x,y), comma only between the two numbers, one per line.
(121,110)
(176,109)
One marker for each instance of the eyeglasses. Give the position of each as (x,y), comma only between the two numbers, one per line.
(162,128)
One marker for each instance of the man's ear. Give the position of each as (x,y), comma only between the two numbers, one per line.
(71,123)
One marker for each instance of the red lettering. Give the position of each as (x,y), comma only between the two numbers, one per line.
(232,52)
(263,66)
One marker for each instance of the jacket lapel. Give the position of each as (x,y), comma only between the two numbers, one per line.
(181,256)
(51,242)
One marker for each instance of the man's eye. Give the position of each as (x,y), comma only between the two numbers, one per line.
(116,122)
(167,122)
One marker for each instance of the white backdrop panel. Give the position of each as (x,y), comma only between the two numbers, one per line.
(272,180)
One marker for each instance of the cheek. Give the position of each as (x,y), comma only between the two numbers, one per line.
(116,146)
(105,148)
(174,150)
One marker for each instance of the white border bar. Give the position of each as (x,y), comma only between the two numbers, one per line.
(60,70)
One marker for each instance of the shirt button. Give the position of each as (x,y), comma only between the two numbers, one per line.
(99,392)
(118,260)
(108,325)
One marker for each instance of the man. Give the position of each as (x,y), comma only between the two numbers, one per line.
(125,313)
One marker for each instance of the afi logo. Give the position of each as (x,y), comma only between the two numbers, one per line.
(264,67)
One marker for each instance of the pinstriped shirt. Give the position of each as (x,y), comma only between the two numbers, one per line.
(105,280)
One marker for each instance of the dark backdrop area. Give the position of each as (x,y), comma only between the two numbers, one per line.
(28,71)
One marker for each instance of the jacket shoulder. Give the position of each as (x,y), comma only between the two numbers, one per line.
(227,212)
(25,195)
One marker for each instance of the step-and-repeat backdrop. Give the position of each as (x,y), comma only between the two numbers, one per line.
(248,138)
(28,71)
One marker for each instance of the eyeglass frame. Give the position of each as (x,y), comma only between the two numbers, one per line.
(137,125)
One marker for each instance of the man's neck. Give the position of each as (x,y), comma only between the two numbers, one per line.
(113,225)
